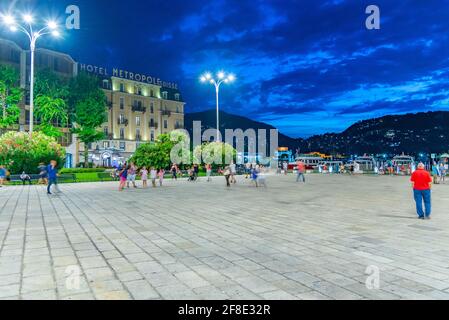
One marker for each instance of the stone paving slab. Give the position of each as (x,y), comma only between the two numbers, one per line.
(205,241)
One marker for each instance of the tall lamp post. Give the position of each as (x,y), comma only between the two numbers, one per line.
(26,27)
(222,77)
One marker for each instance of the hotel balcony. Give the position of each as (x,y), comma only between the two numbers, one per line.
(153,124)
(136,108)
(122,121)
(179,126)
(166,113)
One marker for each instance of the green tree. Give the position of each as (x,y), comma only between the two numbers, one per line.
(21,152)
(10,96)
(51,110)
(215,153)
(158,154)
(48,83)
(87,103)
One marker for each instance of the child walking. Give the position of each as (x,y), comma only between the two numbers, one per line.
(161,174)
(123,174)
(153,176)
(144,176)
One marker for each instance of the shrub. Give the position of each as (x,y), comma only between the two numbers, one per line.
(20,152)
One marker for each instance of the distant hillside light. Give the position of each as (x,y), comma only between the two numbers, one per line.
(222,77)
(27,27)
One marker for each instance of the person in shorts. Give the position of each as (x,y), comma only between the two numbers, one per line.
(132,173)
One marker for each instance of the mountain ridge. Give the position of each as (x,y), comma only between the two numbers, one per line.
(413,133)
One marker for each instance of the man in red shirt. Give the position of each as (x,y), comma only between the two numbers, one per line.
(422,184)
(301,170)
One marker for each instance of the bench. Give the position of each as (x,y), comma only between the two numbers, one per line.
(67,177)
(107,176)
(16,178)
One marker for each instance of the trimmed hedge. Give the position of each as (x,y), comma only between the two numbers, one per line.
(82,170)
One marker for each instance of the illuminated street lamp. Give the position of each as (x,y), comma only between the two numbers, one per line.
(222,77)
(51,27)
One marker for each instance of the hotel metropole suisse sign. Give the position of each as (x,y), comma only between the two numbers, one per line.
(123,74)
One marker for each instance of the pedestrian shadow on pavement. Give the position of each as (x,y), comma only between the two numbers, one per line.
(398,217)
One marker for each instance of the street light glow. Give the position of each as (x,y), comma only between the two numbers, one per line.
(28,18)
(13,28)
(9,20)
(55,33)
(52,25)
(222,77)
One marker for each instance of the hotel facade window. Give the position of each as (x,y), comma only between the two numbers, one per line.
(106,131)
(164,95)
(152,136)
(165,124)
(151,107)
(177,97)
(122,133)
(105,144)
(122,87)
(122,103)
(122,145)
(122,118)
(138,121)
(138,137)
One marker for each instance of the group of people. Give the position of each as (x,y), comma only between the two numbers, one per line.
(48,175)
(439,172)
(129,172)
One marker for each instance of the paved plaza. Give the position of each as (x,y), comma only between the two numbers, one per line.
(204,241)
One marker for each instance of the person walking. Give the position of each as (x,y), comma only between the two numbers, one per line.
(422,185)
(161,175)
(52,171)
(301,171)
(2,176)
(209,172)
(442,170)
(132,171)
(196,172)
(233,169)
(436,173)
(174,171)
(123,174)
(227,175)
(43,175)
(153,176)
(144,177)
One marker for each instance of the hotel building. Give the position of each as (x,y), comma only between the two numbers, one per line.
(139,107)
